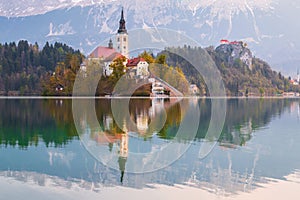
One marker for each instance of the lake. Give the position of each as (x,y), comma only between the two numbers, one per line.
(149,148)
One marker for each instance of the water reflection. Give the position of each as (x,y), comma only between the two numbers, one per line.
(259,142)
(25,123)
(141,133)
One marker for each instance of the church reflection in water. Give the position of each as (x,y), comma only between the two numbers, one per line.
(149,118)
(250,151)
(141,112)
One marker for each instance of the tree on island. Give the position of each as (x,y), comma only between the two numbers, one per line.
(61,82)
(118,69)
(172,75)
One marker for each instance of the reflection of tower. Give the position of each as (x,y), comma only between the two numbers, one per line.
(123,153)
(124,145)
(157,107)
(122,163)
(142,121)
(107,122)
(122,37)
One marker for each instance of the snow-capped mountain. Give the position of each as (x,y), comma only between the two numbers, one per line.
(268,26)
(219,7)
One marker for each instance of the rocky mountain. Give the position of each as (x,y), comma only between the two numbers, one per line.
(235,51)
(267,26)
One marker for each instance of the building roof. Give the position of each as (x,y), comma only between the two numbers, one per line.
(102,52)
(113,56)
(134,62)
(226,41)
(104,137)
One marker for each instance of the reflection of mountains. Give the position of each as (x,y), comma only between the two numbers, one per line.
(229,171)
(51,182)
(223,184)
(211,174)
(208,175)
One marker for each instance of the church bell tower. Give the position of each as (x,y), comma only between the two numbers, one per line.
(122,37)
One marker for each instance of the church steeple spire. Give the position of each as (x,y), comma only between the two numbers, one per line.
(122,38)
(122,26)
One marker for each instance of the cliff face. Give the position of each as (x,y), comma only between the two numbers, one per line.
(234,51)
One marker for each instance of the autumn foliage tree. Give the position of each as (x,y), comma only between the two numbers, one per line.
(24,66)
(118,68)
(172,75)
(62,80)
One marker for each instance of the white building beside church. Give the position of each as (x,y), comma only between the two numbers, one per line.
(138,68)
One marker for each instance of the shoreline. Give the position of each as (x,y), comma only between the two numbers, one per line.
(139,97)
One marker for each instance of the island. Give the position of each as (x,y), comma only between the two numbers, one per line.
(27,70)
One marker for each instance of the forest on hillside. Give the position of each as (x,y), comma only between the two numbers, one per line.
(25,67)
(237,77)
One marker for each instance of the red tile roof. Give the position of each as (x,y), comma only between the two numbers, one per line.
(224,41)
(104,138)
(102,52)
(134,62)
(113,56)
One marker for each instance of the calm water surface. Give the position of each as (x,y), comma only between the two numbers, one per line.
(45,155)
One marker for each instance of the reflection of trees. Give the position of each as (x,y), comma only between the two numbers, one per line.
(61,113)
(141,114)
(25,122)
(173,121)
(245,116)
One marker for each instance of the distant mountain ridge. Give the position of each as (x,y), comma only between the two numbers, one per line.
(266,25)
(223,8)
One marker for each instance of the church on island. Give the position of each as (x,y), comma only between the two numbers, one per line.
(136,68)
